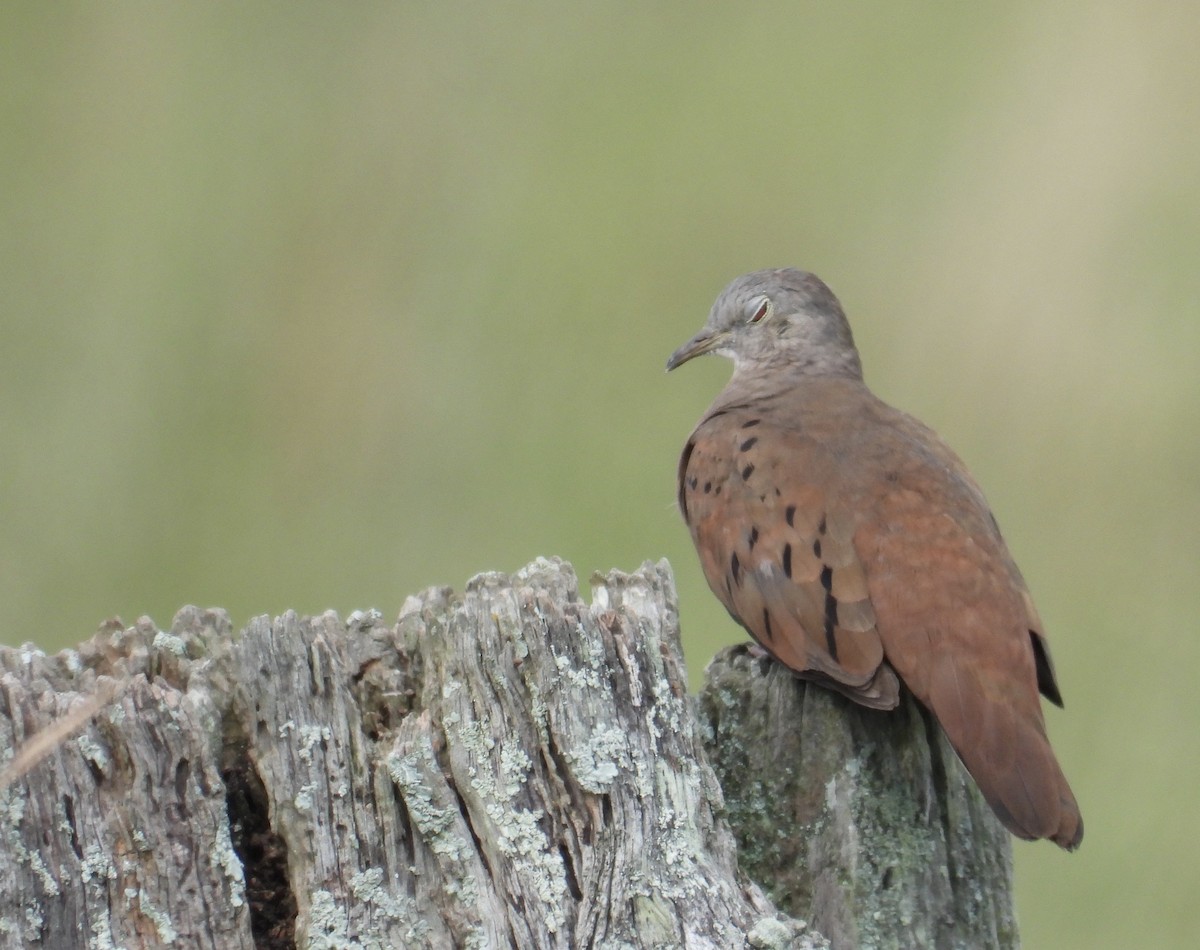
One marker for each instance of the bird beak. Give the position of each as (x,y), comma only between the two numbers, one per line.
(703,342)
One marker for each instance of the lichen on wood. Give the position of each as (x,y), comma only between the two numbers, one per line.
(862,821)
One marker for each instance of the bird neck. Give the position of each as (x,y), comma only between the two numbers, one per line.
(789,369)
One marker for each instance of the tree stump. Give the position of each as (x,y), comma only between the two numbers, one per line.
(508,767)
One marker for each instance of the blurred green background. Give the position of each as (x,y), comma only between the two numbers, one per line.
(314,306)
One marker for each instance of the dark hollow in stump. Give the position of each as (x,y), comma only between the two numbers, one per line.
(508,767)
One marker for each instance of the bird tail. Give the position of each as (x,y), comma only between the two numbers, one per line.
(1010,758)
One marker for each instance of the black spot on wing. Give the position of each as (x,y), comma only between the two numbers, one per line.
(735,568)
(767,625)
(791,516)
(830,611)
(747,472)
(748,444)
(753,537)
(787,560)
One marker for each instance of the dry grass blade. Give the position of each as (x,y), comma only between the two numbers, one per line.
(44,743)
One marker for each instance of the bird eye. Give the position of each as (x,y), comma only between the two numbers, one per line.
(758,309)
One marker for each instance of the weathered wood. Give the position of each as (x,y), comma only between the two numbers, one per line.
(863,822)
(510,766)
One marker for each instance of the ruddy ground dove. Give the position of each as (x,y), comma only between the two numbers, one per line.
(854,546)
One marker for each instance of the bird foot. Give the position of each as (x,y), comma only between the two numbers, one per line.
(756,652)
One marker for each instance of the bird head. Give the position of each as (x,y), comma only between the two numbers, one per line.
(777,319)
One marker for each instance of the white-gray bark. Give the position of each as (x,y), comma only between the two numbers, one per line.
(507,767)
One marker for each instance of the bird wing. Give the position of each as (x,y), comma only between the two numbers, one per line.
(778,557)
(959,627)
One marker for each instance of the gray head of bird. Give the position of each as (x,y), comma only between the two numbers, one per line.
(784,319)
